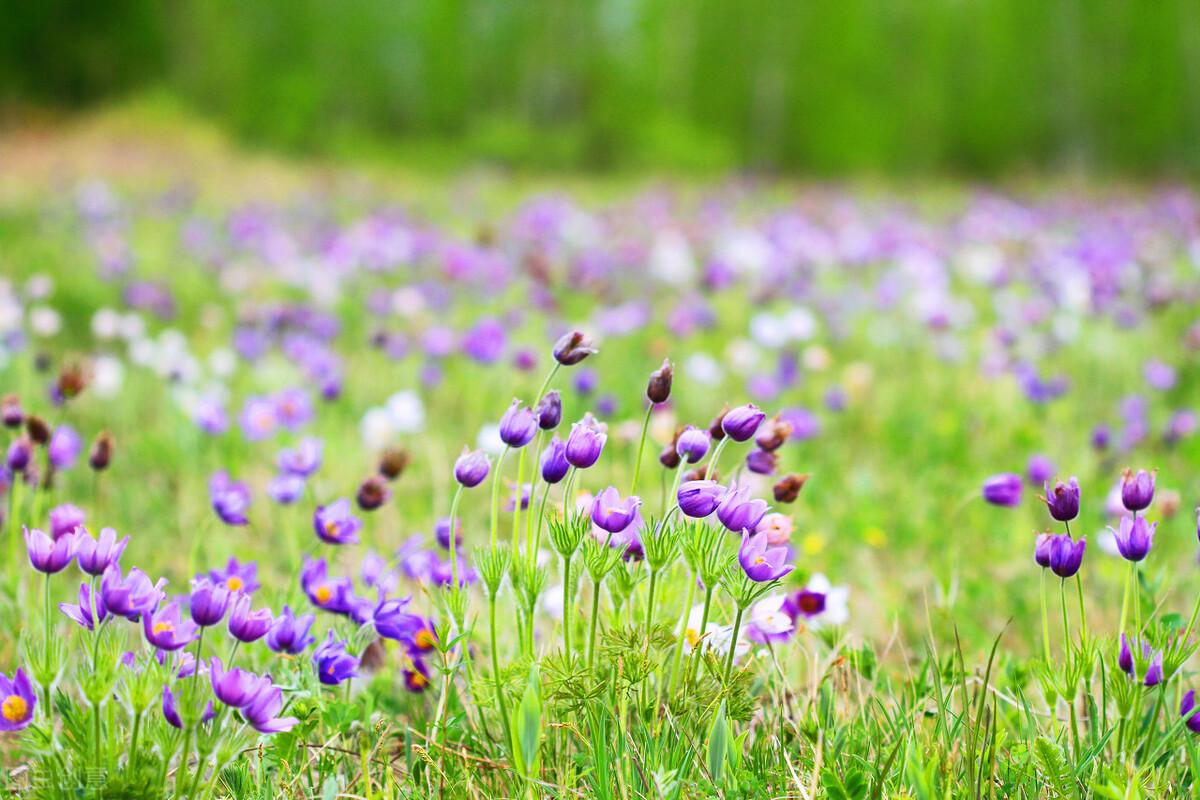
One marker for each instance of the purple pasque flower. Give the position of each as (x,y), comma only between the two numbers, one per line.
(741,423)
(1137,489)
(293,408)
(807,603)
(441,572)
(1063,500)
(518,426)
(64,447)
(1003,490)
(554,461)
(572,348)
(692,444)
(333,663)
(441,532)
(394,621)
(612,513)
(761,462)
(375,570)
(230,498)
(1039,469)
(246,625)
(82,613)
(258,418)
(166,628)
(130,596)
(17,701)
(1187,711)
(1134,537)
(209,602)
(761,562)
(289,633)
(262,712)
(698,499)
(65,519)
(19,454)
(234,687)
(471,468)
(738,511)
(237,577)
(549,410)
(416,675)
(329,594)
(50,555)
(209,415)
(97,555)
(303,460)
(335,524)
(1041,549)
(286,489)
(1154,670)
(585,442)
(1066,554)
(171,711)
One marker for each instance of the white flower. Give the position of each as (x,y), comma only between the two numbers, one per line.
(376,427)
(489,440)
(671,259)
(768,616)
(133,327)
(106,324)
(703,369)
(406,411)
(552,602)
(108,373)
(837,602)
(44,321)
(222,362)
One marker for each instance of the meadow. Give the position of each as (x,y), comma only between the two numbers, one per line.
(490,485)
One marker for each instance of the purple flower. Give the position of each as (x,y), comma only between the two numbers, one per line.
(692,444)
(19,453)
(286,489)
(82,613)
(210,416)
(17,701)
(585,381)
(329,594)
(333,663)
(64,447)
(209,602)
(335,524)
(49,555)
(761,462)
(518,426)
(1137,489)
(1063,500)
(807,603)
(1188,712)
(572,348)
(1134,537)
(262,712)
(290,634)
(585,442)
(1066,555)
(293,409)
(246,625)
(237,577)
(167,630)
(171,712)
(416,675)
(554,461)
(1125,656)
(741,423)
(234,687)
(65,519)
(549,411)
(1039,469)
(698,499)
(1159,375)
(471,468)
(738,512)
(230,498)
(302,460)
(612,513)
(97,555)
(1041,549)
(1003,490)
(762,563)
(442,532)
(132,595)
(485,342)
(1154,671)
(258,418)
(1101,436)
(394,621)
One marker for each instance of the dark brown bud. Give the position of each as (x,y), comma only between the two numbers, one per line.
(373,493)
(71,381)
(101,453)
(668,457)
(659,388)
(715,430)
(699,474)
(37,428)
(10,411)
(772,434)
(393,462)
(573,348)
(788,489)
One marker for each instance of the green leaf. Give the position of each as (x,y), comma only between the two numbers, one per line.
(718,745)
(527,727)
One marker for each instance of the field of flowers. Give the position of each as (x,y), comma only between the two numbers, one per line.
(330,486)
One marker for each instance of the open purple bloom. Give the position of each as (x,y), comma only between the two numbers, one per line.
(471,468)
(394,621)
(237,577)
(612,513)
(293,409)
(335,524)
(65,519)
(738,511)
(329,594)
(171,711)
(518,426)
(302,460)
(286,489)
(1134,537)
(1066,554)
(234,687)
(230,498)
(131,595)
(248,625)
(1187,710)
(97,555)
(416,675)
(333,663)
(82,613)
(1137,489)
(17,701)
(262,712)
(585,443)
(167,630)
(761,562)
(64,447)
(1063,500)
(49,555)
(741,423)
(289,633)
(258,418)
(1003,490)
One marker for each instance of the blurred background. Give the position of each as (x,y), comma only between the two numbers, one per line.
(975,88)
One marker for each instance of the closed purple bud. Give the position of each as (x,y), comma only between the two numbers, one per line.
(554,461)
(1188,712)
(471,468)
(549,411)
(698,499)
(1063,500)
(1137,489)
(1066,555)
(1041,549)
(692,444)
(518,426)
(585,443)
(573,348)
(761,462)
(741,423)
(1134,537)
(1003,490)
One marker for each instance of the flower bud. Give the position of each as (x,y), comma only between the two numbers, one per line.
(393,462)
(788,489)
(573,348)
(659,387)
(10,411)
(101,453)
(37,429)
(372,493)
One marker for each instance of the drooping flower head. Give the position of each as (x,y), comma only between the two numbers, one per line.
(761,562)
(262,711)
(692,444)
(471,468)
(738,511)
(1003,490)
(698,499)
(741,423)
(572,348)
(82,613)
(1137,489)
(335,524)
(234,687)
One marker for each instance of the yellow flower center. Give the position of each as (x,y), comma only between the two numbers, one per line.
(418,680)
(324,594)
(759,560)
(14,708)
(692,637)
(424,639)
(163,627)
(233,583)
(331,528)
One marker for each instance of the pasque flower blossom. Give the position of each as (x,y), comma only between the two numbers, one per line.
(1063,500)
(760,561)
(612,513)
(248,625)
(167,630)
(1134,537)
(230,498)
(289,633)
(131,595)
(471,468)
(333,663)
(335,524)
(82,613)
(17,701)
(692,444)
(518,426)
(585,442)
(97,555)
(49,555)
(738,511)
(700,498)
(1003,490)
(741,423)
(1066,554)
(1137,489)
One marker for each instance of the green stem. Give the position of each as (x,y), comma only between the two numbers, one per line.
(454,536)
(637,461)
(517,504)
(496,666)
(687,609)
(1062,596)
(133,740)
(712,462)
(591,651)
(566,604)
(1192,622)
(496,497)
(1083,630)
(537,544)
(537,461)
(708,593)
(1125,601)
(1045,620)
(737,629)
(650,604)
(181,771)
